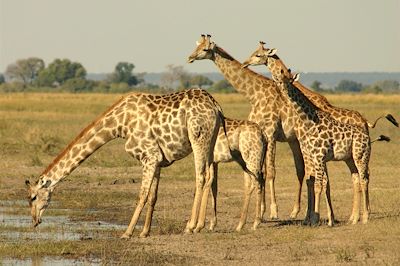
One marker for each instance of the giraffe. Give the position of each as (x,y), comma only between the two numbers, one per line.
(268,57)
(260,56)
(322,139)
(158,129)
(244,143)
(267,107)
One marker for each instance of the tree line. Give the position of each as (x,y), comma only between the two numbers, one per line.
(350,86)
(31,74)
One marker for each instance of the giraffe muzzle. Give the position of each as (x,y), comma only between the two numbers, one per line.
(245,64)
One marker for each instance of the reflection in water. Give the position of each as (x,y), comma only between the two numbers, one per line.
(52,228)
(51,261)
(15,228)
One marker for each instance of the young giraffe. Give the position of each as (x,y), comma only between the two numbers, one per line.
(159,129)
(267,107)
(322,139)
(244,143)
(268,57)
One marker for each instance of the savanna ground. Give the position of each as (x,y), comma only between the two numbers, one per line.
(91,208)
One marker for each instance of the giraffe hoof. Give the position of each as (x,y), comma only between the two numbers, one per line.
(314,219)
(144,235)
(255,226)
(125,236)
(294,214)
(188,231)
(197,230)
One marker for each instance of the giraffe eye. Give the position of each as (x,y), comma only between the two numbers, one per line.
(33,198)
(257,55)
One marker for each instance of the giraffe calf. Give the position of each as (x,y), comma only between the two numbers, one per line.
(244,143)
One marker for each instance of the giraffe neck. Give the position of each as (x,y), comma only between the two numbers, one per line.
(98,133)
(305,111)
(277,67)
(245,81)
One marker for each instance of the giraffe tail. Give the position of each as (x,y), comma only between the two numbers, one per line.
(381,138)
(389,117)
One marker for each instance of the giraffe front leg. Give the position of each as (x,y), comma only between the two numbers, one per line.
(327,192)
(270,178)
(301,168)
(248,189)
(214,189)
(152,203)
(148,175)
(310,200)
(318,186)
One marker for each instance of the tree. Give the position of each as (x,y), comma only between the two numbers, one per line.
(123,72)
(316,86)
(59,71)
(174,74)
(372,89)
(2,79)
(25,70)
(387,85)
(348,86)
(222,86)
(200,80)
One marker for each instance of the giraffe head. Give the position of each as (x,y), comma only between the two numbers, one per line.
(286,77)
(268,57)
(39,195)
(259,56)
(205,49)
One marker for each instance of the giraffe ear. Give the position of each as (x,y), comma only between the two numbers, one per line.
(272,52)
(212,46)
(296,77)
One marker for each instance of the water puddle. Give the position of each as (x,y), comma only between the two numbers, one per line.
(44,261)
(14,227)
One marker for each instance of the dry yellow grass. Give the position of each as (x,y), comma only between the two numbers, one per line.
(35,127)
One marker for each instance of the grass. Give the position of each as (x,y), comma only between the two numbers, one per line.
(35,127)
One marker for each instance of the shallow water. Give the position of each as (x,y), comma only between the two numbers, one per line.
(52,227)
(44,261)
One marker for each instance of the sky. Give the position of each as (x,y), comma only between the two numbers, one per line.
(310,35)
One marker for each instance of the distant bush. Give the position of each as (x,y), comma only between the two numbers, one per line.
(78,85)
(15,86)
(348,86)
(121,87)
(222,86)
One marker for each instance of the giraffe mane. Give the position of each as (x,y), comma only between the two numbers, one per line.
(80,135)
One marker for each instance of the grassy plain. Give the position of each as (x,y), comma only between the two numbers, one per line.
(35,127)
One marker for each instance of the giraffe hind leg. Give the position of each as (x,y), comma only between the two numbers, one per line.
(355,213)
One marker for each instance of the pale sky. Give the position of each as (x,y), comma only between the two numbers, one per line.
(311,35)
